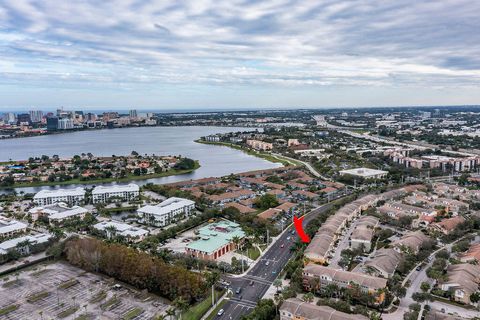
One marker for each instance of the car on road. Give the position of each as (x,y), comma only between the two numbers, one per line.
(288,238)
(267,263)
(282,245)
(238,290)
(220,312)
(418,268)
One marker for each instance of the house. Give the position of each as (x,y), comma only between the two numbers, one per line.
(316,277)
(166,212)
(447,225)
(472,255)
(464,280)
(296,309)
(412,242)
(363,232)
(384,263)
(240,207)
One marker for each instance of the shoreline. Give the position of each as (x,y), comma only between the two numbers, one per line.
(172,172)
(263,155)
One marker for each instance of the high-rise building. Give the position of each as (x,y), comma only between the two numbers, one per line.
(36,116)
(65,124)
(52,123)
(24,118)
(133,114)
(10,118)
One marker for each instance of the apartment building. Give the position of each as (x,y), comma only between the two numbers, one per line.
(114,228)
(9,228)
(58,213)
(69,196)
(259,145)
(166,212)
(103,194)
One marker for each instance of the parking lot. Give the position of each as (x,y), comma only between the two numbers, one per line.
(62,291)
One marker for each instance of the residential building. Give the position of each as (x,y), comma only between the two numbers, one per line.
(259,145)
(447,225)
(464,280)
(316,277)
(296,309)
(166,212)
(411,242)
(57,213)
(215,239)
(9,228)
(65,124)
(363,232)
(70,196)
(114,228)
(31,240)
(472,255)
(102,194)
(384,263)
(233,196)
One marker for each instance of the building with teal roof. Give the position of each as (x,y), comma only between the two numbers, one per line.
(215,240)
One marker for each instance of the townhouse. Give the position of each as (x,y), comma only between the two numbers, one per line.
(464,280)
(363,232)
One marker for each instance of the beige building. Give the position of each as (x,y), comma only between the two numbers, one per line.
(259,145)
(296,309)
(464,280)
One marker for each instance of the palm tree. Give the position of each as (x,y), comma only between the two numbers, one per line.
(181,305)
(161,317)
(308,297)
(212,279)
(277,284)
(171,312)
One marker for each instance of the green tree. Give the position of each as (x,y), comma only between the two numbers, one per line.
(266,201)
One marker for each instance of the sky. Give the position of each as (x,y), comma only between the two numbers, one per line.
(204,54)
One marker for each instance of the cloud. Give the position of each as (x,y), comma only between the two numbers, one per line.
(243,42)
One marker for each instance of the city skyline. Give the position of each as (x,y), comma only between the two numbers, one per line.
(244,55)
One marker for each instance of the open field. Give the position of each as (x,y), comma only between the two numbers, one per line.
(62,291)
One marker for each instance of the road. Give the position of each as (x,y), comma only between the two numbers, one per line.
(256,282)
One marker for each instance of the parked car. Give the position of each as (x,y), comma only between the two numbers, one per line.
(220,312)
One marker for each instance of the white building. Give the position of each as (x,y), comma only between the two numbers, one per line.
(103,194)
(113,228)
(69,196)
(365,173)
(164,213)
(9,228)
(8,245)
(65,124)
(57,213)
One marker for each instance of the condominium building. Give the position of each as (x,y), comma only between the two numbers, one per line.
(114,228)
(31,240)
(296,309)
(166,212)
(57,213)
(10,228)
(115,193)
(70,196)
(260,145)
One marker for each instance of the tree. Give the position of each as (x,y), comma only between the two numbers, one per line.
(308,297)
(212,279)
(425,286)
(170,312)
(266,201)
(475,297)
(277,283)
(185,164)
(181,305)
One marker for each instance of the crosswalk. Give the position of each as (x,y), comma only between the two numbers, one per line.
(258,279)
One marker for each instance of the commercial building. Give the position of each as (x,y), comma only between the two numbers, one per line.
(115,193)
(69,196)
(166,212)
(10,228)
(114,228)
(365,173)
(57,213)
(215,240)
(296,309)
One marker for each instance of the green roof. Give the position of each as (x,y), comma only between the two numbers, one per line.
(216,235)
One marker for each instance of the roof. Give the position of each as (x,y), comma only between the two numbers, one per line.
(58,211)
(412,240)
(7,226)
(123,229)
(216,235)
(59,193)
(240,207)
(33,239)
(116,188)
(363,172)
(451,223)
(385,260)
(231,195)
(309,311)
(361,279)
(269,213)
(166,206)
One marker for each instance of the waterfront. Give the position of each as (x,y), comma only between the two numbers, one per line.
(214,160)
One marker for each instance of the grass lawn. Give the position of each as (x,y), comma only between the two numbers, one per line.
(8,309)
(98,297)
(253,253)
(197,311)
(214,312)
(108,304)
(132,314)
(37,296)
(68,312)
(67,284)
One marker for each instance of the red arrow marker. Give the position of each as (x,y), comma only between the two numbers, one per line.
(298,226)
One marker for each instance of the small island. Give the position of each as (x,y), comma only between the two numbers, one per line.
(89,169)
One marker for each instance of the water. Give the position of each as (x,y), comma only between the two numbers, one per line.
(214,160)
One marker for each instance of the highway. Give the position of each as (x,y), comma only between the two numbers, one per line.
(256,282)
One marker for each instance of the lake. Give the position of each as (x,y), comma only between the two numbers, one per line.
(214,160)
